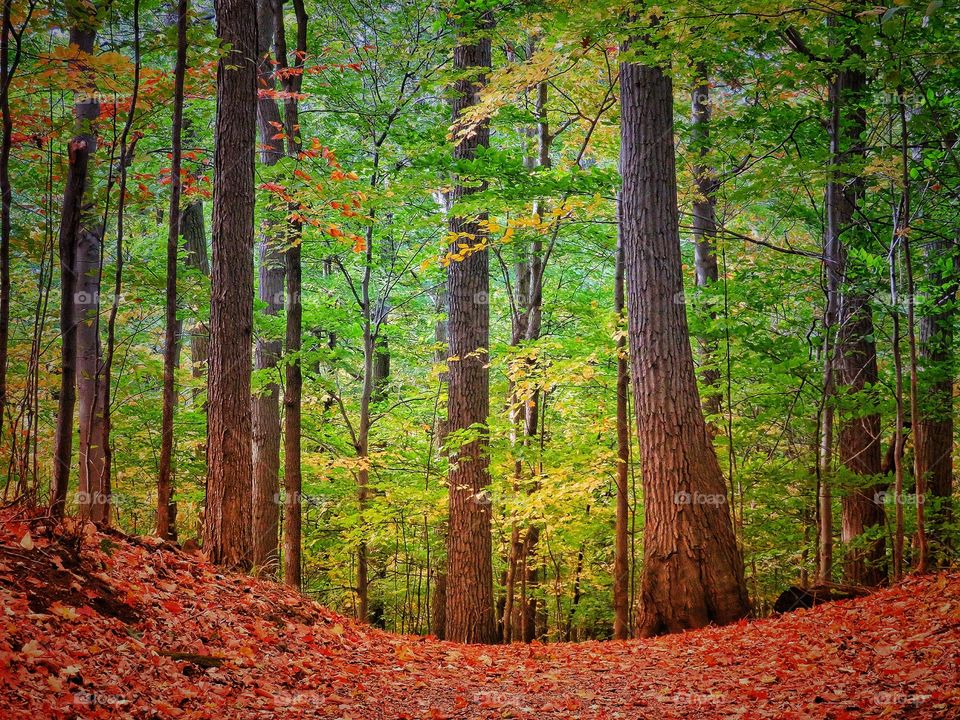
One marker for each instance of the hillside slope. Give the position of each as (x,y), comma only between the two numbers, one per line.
(96,625)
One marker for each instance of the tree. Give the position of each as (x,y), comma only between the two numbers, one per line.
(229,461)
(469,586)
(856,354)
(621,561)
(76,218)
(165,517)
(693,572)
(292,400)
(266,403)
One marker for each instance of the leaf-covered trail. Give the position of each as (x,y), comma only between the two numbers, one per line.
(101,626)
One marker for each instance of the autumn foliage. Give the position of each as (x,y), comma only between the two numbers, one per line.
(99,625)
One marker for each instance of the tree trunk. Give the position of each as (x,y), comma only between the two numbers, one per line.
(293,392)
(229,462)
(469,596)
(165,515)
(705,231)
(438,621)
(76,217)
(91,390)
(693,572)
(266,403)
(621,560)
(856,355)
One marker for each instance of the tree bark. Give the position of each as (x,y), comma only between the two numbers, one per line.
(76,216)
(469,591)
(92,392)
(693,572)
(165,514)
(266,403)
(292,475)
(229,462)
(621,560)
(856,355)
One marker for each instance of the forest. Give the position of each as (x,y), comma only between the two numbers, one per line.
(489,320)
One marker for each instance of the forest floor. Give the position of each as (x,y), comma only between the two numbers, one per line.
(99,625)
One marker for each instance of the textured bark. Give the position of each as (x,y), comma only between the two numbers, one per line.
(292,475)
(621,560)
(860,444)
(165,512)
(77,215)
(229,462)
(92,393)
(438,620)
(292,479)
(856,355)
(91,389)
(266,403)
(73,193)
(693,572)
(469,592)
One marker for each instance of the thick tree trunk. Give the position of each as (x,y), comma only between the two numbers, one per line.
(165,513)
(469,595)
(266,403)
(77,215)
(693,572)
(856,355)
(229,462)
(860,444)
